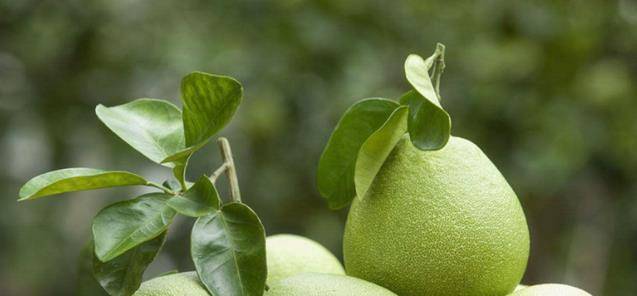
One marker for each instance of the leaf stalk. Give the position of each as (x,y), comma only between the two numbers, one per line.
(160,187)
(229,168)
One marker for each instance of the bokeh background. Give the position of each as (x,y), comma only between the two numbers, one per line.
(546,88)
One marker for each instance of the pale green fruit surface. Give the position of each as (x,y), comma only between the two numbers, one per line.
(551,290)
(319,284)
(441,222)
(178,284)
(289,255)
(520,287)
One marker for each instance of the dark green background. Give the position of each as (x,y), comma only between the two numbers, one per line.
(547,89)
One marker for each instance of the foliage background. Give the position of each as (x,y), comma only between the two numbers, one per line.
(546,88)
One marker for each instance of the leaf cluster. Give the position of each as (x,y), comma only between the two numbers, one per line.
(227,239)
(370,129)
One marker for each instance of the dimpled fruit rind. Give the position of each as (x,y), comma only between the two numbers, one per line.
(440,222)
(317,284)
(551,290)
(289,255)
(178,284)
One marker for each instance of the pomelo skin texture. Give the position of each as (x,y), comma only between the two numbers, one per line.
(317,284)
(289,255)
(178,284)
(440,222)
(550,290)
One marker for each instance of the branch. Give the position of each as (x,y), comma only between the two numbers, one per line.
(228,166)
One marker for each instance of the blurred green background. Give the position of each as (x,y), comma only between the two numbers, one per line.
(546,88)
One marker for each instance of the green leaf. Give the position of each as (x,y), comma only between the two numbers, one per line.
(87,284)
(335,177)
(429,124)
(210,101)
(122,275)
(228,249)
(76,179)
(153,127)
(126,224)
(201,199)
(429,127)
(376,149)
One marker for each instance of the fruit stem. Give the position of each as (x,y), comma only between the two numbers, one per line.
(229,168)
(438,67)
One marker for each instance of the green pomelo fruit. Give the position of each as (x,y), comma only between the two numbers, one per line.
(320,284)
(289,255)
(550,290)
(178,284)
(438,223)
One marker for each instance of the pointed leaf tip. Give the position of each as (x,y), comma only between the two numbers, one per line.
(123,274)
(151,126)
(76,179)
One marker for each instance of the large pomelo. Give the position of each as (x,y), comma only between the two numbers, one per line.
(441,222)
(317,284)
(178,284)
(289,255)
(550,290)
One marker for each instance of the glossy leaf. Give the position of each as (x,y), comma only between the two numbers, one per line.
(429,127)
(335,175)
(153,127)
(122,275)
(429,124)
(126,224)
(201,199)
(210,101)
(228,249)
(376,149)
(76,179)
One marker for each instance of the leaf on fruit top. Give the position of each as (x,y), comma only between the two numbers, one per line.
(76,179)
(376,149)
(153,127)
(122,275)
(228,249)
(335,177)
(210,101)
(429,124)
(126,224)
(201,199)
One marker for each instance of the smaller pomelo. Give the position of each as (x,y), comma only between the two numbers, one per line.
(321,284)
(550,290)
(289,255)
(177,284)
